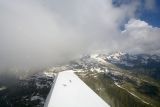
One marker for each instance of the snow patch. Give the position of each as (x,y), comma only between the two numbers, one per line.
(3,88)
(49,74)
(36,98)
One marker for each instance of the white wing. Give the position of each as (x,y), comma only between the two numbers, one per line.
(70,91)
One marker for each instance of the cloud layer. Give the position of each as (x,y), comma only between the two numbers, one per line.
(40,33)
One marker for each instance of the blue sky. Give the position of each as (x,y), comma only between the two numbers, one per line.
(151,16)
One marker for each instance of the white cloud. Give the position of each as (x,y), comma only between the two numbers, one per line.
(44,32)
(141,37)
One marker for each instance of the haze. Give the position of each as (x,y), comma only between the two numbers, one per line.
(41,33)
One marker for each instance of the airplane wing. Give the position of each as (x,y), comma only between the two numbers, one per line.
(69,90)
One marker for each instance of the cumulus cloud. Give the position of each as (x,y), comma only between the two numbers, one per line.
(140,37)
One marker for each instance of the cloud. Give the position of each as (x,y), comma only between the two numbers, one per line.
(140,37)
(41,33)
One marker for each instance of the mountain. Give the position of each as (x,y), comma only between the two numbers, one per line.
(141,63)
(121,79)
(29,92)
(138,60)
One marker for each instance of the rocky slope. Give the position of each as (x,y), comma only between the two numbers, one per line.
(121,79)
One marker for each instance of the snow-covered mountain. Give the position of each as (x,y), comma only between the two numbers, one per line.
(142,63)
(119,67)
(130,60)
(29,92)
